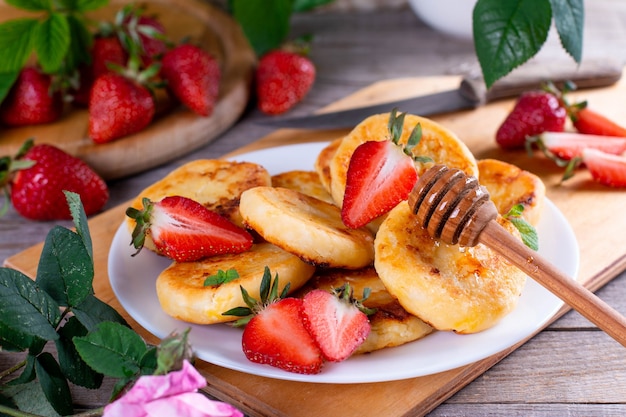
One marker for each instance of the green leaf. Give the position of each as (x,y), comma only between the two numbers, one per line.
(15,340)
(16,43)
(222,277)
(112,349)
(54,384)
(31,5)
(527,230)
(91,312)
(306,5)
(51,40)
(569,19)
(509,33)
(264,22)
(80,219)
(7,79)
(65,268)
(25,307)
(72,365)
(81,40)
(84,5)
(28,372)
(29,398)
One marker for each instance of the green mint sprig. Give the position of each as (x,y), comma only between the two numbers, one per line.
(527,230)
(58,35)
(92,340)
(509,33)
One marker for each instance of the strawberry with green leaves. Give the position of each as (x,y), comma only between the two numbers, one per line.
(274,333)
(184,230)
(283,79)
(193,76)
(337,321)
(37,177)
(32,100)
(380,175)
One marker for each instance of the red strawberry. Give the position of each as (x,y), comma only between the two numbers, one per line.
(31,100)
(605,168)
(568,145)
(336,322)
(591,122)
(106,50)
(151,33)
(535,112)
(283,78)
(43,173)
(118,106)
(193,76)
(275,334)
(380,175)
(184,230)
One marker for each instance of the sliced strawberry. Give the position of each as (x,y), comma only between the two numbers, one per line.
(335,321)
(275,334)
(605,168)
(380,175)
(591,122)
(184,230)
(568,145)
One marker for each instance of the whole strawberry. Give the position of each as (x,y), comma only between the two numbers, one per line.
(193,76)
(31,100)
(283,78)
(38,176)
(118,106)
(535,112)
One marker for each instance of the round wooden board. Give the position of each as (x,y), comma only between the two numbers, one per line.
(175,131)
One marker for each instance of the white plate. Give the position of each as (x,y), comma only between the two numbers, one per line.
(133,278)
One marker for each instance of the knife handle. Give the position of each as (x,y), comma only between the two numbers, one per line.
(589,74)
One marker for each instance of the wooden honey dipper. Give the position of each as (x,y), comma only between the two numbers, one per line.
(455,208)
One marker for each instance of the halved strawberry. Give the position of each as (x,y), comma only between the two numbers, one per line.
(275,334)
(380,175)
(604,168)
(184,230)
(337,322)
(568,145)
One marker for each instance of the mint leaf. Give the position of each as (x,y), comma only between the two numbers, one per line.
(80,219)
(65,268)
(508,33)
(31,5)
(112,349)
(51,40)
(16,43)
(569,18)
(527,230)
(72,365)
(54,384)
(264,22)
(7,79)
(222,277)
(91,312)
(26,308)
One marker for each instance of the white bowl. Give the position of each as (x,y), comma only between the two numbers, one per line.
(452,17)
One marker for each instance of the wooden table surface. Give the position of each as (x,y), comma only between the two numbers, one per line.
(553,374)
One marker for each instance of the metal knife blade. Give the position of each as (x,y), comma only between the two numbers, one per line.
(470,94)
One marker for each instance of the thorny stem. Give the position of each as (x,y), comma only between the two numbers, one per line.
(18,413)
(12,369)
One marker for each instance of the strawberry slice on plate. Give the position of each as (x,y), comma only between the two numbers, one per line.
(184,230)
(380,175)
(337,322)
(568,145)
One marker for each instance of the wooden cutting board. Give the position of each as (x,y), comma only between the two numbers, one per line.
(175,130)
(594,212)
